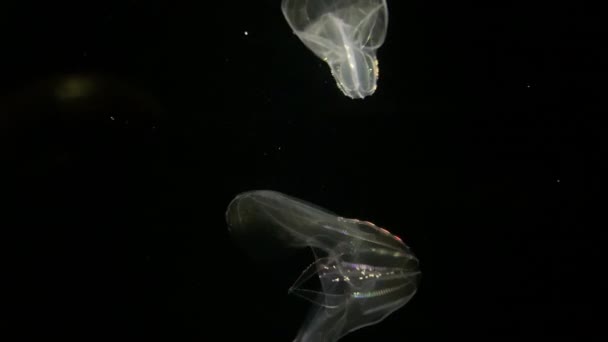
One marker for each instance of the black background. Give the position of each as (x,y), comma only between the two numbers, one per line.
(127,127)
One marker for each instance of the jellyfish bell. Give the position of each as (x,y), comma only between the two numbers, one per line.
(346,35)
(253,219)
(365,272)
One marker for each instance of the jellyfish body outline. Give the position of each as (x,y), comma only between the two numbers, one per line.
(346,35)
(365,272)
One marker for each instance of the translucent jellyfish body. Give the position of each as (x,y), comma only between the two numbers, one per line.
(365,272)
(344,33)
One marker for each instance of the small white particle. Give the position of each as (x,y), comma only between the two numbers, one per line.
(246,33)
(527,86)
(558,180)
(112,118)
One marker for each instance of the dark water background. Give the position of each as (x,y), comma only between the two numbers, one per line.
(127,127)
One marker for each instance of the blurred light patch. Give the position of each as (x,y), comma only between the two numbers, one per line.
(74,87)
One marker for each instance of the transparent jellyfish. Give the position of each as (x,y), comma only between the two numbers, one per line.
(344,33)
(365,272)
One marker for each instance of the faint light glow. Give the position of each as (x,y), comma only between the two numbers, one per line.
(246,33)
(74,87)
(112,118)
(558,181)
